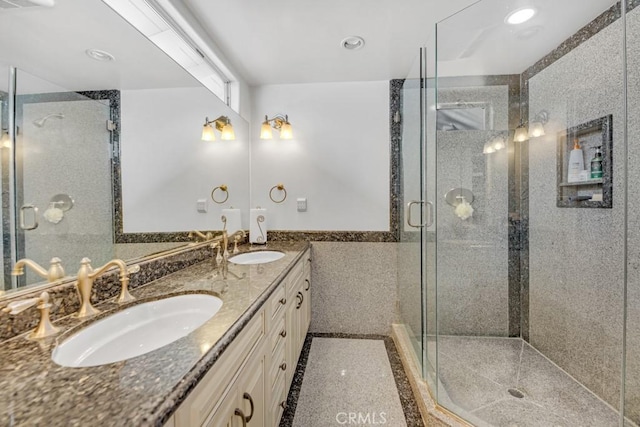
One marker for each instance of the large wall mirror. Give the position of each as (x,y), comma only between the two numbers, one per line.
(102,154)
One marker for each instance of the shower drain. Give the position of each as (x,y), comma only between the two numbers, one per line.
(516,393)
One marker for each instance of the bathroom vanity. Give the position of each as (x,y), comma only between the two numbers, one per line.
(234,369)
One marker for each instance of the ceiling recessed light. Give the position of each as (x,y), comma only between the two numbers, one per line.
(520,16)
(99,55)
(352,43)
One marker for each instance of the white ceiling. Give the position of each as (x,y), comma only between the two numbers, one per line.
(297,41)
(51,43)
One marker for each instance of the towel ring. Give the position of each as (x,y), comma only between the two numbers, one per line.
(222,188)
(278,187)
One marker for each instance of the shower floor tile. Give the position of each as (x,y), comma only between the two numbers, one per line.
(476,374)
(348,381)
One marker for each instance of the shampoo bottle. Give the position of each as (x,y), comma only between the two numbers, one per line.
(576,162)
(596,164)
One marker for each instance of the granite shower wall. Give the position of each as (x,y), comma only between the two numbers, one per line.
(472,267)
(67,156)
(576,256)
(632,384)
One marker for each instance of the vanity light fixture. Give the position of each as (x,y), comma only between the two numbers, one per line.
(520,16)
(279,123)
(536,129)
(222,124)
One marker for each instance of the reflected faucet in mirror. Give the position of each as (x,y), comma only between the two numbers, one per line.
(86,277)
(200,236)
(55,272)
(44,328)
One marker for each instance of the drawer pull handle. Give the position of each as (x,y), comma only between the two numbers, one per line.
(301,299)
(250,399)
(283,334)
(240,414)
(308,284)
(283,405)
(283,301)
(283,366)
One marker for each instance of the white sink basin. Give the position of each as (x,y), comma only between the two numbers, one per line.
(258,257)
(137,330)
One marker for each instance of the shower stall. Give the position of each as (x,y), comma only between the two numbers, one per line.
(519,266)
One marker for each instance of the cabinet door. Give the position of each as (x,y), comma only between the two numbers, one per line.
(224,415)
(252,392)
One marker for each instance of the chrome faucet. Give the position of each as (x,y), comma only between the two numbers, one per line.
(55,272)
(86,276)
(44,328)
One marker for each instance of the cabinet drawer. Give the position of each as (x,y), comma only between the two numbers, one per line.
(202,399)
(278,301)
(306,259)
(278,362)
(294,277)
(278,333)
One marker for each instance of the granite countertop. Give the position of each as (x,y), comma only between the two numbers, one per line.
(147,389)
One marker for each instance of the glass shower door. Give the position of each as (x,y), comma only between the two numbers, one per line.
(59,177)
(407,134)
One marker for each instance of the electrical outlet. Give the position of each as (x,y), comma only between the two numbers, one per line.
(202,205)
(302,205)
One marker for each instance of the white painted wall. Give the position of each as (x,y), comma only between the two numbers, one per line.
(338,159)
(166,168)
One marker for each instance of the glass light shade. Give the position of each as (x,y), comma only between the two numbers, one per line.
(536,130)
(227,133)
(521,134)
(285,131)
(207,133)
(488,148)
(498,143)
(265,131)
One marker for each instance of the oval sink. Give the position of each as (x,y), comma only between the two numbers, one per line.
(258,257)
(137,330)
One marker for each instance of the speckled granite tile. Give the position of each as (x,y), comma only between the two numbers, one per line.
(354,287)
(330,236)
(147,389)
(335,379)
(409,405)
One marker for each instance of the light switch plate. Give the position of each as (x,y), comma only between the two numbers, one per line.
(302,205)
(202,205)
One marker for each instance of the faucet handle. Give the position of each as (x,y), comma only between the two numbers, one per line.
(56,271)
(44,328)
(17,307)
(125,296)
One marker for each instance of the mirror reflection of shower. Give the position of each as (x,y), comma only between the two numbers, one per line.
(41,121)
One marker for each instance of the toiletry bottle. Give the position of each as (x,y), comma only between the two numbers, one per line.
(576,162)
(596,164)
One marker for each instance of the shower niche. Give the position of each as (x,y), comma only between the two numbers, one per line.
(588,192)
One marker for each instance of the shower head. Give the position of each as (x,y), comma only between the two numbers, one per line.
(41,121)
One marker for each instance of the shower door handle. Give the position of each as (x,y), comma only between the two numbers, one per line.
(34,222)
(430,215)
(409,206)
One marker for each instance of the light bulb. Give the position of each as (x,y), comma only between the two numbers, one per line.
(520,16)
(521,134)
(227,133)
(265,131)
(536,130)
(498,143)
(285,131)
(207,133)
(488,148)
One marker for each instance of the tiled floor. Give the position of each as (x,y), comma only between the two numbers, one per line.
(348,382)
(476,374)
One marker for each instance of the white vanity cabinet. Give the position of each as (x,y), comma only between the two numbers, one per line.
(249,384)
